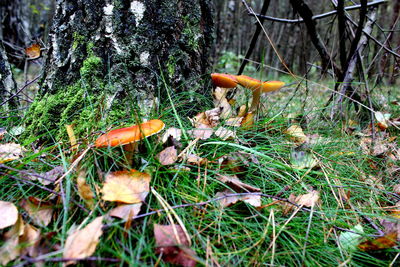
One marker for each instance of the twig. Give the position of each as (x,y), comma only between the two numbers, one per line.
(316,17)
(21,89)
(29,260)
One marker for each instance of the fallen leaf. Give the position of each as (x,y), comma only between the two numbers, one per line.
(82,243)
(33,51)
(236,184)
(10,151)
(377,148)
(296,134)
(248,120)
(202,131)
(40,211)
(174,132)
(349,240)
(386,241)
(168,156)
(8,214)
(227,200)
(11,249)
(29,241)
(84,190)
(126,186)
(194,159)
(382,120)
(221,102)
(49,177)
(235,122)
(126,210)
(309,199)
(302,159)
(173,245)
(225,134)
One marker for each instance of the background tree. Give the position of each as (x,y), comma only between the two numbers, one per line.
(111,60)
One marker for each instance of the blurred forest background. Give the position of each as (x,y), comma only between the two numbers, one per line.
(30,21)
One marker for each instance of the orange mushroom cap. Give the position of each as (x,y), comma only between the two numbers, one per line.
(131,134)
(224,80)
(270,86)
(249,82)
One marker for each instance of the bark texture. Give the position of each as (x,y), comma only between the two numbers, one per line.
(118,50)
(7,83)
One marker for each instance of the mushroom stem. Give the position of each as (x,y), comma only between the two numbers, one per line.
(256,100)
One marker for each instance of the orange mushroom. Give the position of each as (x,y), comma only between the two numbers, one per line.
(124,136)
(258,87)
(224,80)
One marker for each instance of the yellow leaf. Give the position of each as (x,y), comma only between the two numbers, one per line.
(82,243)
(296,134)
(126,186)
(10,151)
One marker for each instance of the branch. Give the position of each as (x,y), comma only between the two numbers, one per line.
(316,17)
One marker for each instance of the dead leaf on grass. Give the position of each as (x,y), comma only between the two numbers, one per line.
(384,242)
(10,151)
(235,183)
(227,200)
(225,133)
(382,120)
(308,200)
(126,186)
(172,243)
(40,211)
(8,214)
(235,122)
(29,241)
(82,243)
(49,177)
(125,211)
(174,132)
(202,131)
(84,190)
(296,134)
(11,249)
(168,156)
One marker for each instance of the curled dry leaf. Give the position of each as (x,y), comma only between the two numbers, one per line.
(126,186)
(10,151)
(125,211)
(11,248)
(383,242)
(236,184)
(174,132)
(202,131)
(8,214)
(225,134)
(82,243)
(33,51)
(168,156)
(40,211)
(172,243)
(307,200)
(296,134)
(221,102)
(226,200)
(84,190)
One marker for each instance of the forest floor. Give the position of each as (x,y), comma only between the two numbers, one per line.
(293,188)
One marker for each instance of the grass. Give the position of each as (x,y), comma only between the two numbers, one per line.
(241,234)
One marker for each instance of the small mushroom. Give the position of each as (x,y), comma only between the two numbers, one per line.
(124,136)
(224,80)
(258,87)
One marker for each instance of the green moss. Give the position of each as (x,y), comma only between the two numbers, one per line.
(191,32)
(78,39)
(171,65)
(91,67)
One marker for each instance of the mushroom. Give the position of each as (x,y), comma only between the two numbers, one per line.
(258,87)
(125,136)
(224,80)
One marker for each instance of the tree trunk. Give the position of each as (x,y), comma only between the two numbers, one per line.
(109,60)
(7,83)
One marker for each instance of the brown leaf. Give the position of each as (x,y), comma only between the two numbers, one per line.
(84,190)
(308,200)
(33,51)
(194,159)
(172,243)
(29,241)
(296,134)
(254,200)
(10,151)
(236,184)
(386,241)
(49,177)
(126,210)
(235,122)
(168,156)
(11,249)
(126,186)
(174,132)
(225,134)
(8,214)
(40,211)
(202,131)
(82,243)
